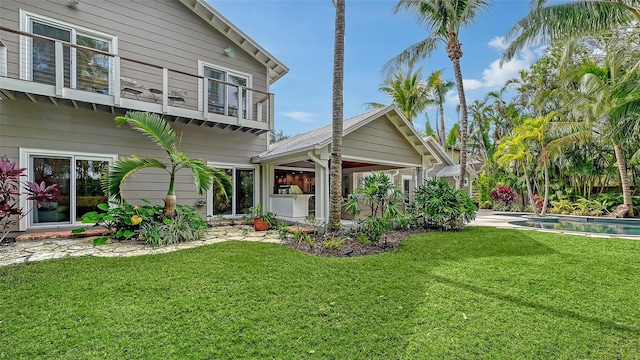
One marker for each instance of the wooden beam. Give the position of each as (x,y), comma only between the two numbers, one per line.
(53,100)
(31,97)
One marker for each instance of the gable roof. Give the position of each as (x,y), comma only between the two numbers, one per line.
(321,137)
(276,69)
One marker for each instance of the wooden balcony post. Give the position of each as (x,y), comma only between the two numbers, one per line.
(59,68)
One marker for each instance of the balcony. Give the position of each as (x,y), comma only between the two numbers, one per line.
(41,69)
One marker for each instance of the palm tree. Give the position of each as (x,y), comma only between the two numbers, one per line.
(570,20)
(444,18)
(160,132)
(440,89)
(335,173)
(408,91)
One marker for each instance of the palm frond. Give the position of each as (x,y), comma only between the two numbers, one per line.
(413,54)
(115,177)
(151,125)
(567,20)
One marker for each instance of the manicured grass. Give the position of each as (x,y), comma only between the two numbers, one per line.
(481,293)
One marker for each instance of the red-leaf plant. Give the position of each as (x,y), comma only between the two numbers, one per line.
(10,211)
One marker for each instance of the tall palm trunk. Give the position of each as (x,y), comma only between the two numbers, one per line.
(455,53)
(441,133)
(335,173)
(546,190)
(529,190)
(624,179)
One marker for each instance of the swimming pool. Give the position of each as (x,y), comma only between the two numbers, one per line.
(584,224)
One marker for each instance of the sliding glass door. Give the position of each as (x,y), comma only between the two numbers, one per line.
(78,179)
(242,197)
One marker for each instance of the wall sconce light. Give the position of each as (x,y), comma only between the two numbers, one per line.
(73,2)
(229,51)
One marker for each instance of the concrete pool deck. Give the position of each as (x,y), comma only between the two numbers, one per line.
(503,220)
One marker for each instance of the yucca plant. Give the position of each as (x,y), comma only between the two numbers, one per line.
(161,133)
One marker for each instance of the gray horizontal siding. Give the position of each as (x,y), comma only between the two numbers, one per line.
(39,126)
(161,32)
(380,140)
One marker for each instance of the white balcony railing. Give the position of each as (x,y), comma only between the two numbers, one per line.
(37,65)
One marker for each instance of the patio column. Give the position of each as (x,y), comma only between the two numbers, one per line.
(423,171)
(321,161)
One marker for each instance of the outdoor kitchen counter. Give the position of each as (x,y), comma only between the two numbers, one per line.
(292,207)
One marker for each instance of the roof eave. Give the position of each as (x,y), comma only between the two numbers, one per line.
(276,69)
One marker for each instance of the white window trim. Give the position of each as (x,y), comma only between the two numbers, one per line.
(412,186)
(234,167)
(26,153)
(202,64)
(25,42)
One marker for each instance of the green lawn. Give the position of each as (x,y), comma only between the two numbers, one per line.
(481,293)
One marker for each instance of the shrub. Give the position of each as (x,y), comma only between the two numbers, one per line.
(504,194)
(333,243)
(561,207)
(443,207)
(310,241)
(147,223)
(10,211)
(375,227)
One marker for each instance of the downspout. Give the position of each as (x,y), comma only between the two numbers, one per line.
(315,159)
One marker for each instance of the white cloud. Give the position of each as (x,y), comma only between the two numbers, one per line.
(498,42)
(495,76)
(300,116)
(472,84)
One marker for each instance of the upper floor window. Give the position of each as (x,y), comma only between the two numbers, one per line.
(226,99)
(83,69)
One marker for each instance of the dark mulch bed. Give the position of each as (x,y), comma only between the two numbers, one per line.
(351,246)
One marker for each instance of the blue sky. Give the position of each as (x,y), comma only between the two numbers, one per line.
(300,33)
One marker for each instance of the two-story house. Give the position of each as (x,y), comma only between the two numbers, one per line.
(68,67)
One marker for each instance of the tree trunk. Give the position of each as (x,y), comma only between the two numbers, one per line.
(335,172)
(455,53)
(170,206)
(443,135)
(546,190)
(624,179)
(529,190)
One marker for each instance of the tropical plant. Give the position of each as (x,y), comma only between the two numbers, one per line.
(147,223)
(380,194)
(335,172)
(375,227)
(504,194)
(561,21)
(408,91)
(444,18)
(160,132)
(615,103)
(10,211)
(443,207)
(440,89)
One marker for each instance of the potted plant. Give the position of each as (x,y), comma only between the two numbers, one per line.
(261,220)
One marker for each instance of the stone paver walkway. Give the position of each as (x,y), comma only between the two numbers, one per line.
(36,250)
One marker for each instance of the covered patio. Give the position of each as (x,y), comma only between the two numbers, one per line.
(295,171)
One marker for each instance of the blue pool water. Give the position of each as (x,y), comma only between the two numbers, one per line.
(590,225)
